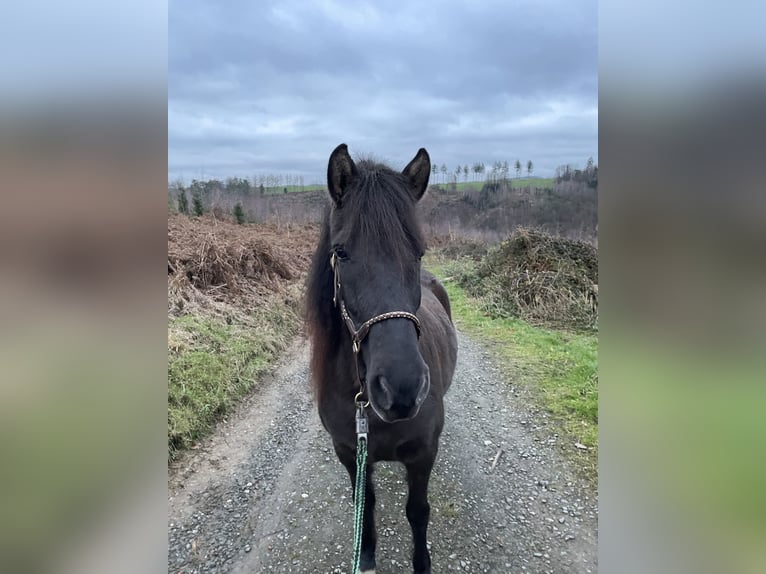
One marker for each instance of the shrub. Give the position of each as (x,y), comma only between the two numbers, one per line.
(199,211)
(239,213)
(183,202)
(538,277)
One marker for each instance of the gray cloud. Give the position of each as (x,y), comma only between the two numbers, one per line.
(268,86)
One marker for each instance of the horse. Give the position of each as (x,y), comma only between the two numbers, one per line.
(380,328)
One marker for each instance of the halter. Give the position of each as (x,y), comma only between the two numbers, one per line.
(358,335)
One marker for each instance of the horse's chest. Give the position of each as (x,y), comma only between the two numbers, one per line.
(384,441)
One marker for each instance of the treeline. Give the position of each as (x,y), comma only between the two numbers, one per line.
(560,205)
(258,184)
(498,171)
(589,175)
(568,209)
(202,196)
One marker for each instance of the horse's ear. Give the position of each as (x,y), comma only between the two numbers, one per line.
(417,173)
(340,171)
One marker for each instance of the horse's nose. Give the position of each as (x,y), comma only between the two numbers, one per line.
(399,401)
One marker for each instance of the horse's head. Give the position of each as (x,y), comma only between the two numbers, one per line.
(378,246)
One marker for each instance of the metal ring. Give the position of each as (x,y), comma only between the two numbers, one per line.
(358,402)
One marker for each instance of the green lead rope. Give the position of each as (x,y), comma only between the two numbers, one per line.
(361,471)
(362,426)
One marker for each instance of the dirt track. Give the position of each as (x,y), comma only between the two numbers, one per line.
(267,494)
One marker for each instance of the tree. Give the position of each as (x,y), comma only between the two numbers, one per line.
(444,171)
(530,167)
(458,171)
(505,168)
(465,172)
(517,166)
(593,180)
(183,201)
(435,171)
(239,213)
(197,205)
(477,170)
(497,168)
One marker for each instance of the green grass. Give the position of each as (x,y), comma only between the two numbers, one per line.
(214,361)
(477,185)
(560,368)
(292,188)
(435,181)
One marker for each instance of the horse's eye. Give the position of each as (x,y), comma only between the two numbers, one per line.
(340,252)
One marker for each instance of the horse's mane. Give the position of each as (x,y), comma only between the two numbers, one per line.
(378,211)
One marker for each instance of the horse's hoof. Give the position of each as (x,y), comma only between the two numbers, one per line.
(422,567)
(367,565)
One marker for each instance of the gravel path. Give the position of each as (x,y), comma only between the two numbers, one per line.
(267,494)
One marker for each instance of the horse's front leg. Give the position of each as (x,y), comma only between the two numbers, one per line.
(418,512)
(369,536)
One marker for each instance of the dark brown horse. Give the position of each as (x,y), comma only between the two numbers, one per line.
(407,345)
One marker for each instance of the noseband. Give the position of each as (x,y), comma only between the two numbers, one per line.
(358,335)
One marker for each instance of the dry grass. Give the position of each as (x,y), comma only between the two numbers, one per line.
(234,294)
(212,261)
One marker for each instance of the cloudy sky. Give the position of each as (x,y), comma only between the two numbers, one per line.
(273,87)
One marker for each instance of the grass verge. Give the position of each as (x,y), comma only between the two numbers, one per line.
(215,359)
(560,368)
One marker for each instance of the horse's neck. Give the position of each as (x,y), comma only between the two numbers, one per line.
(344,369)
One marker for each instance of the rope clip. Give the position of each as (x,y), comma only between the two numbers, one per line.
(362,423)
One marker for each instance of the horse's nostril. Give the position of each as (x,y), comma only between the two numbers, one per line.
(425,386)
(383,394)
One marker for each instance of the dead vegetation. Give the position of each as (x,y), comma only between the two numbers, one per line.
(212,261)
(234,298)
(538,277)
(455,246)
